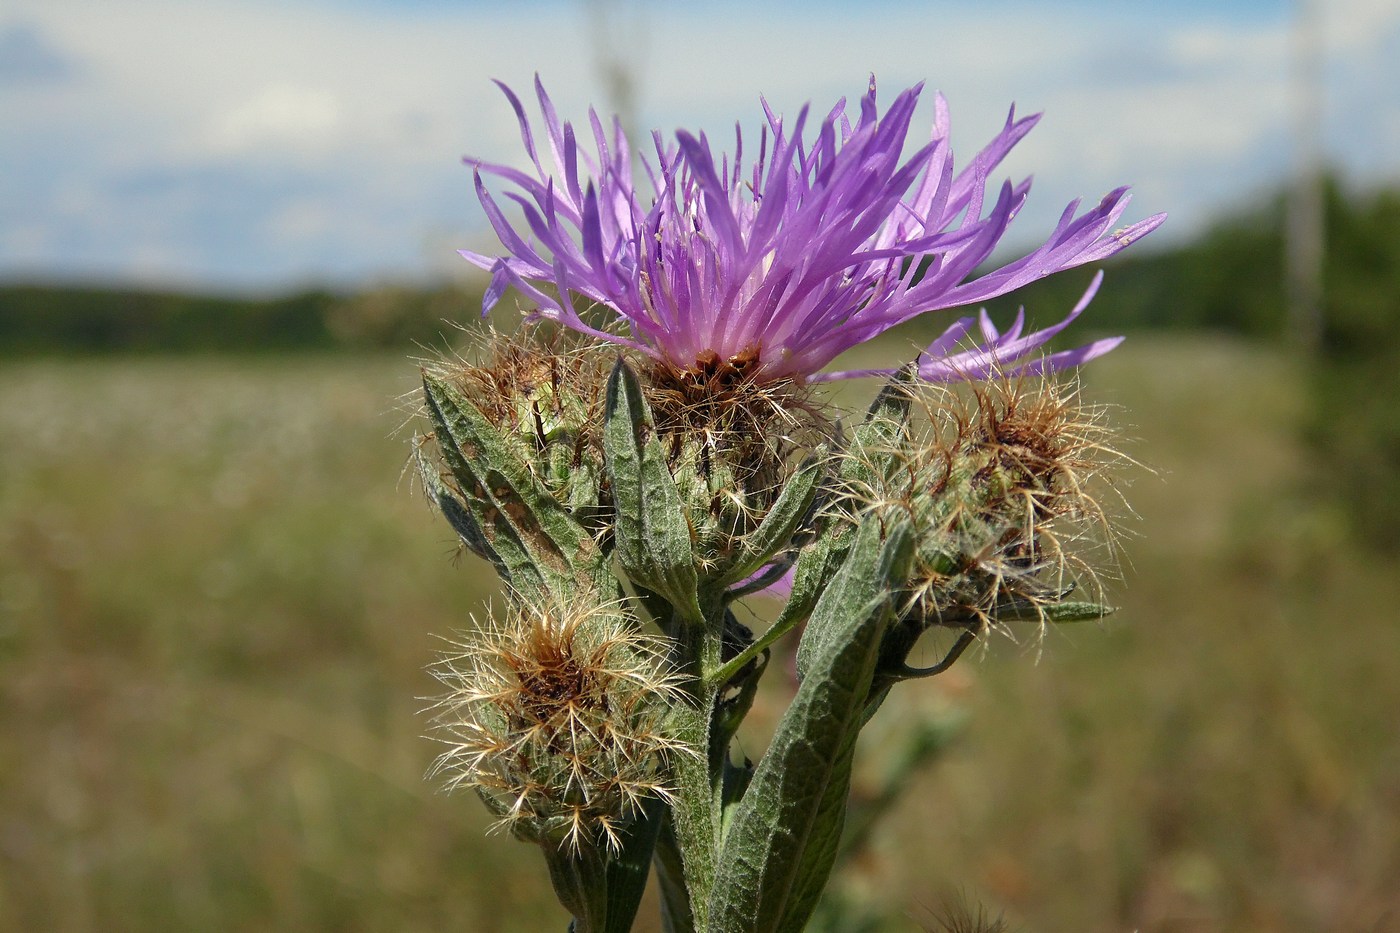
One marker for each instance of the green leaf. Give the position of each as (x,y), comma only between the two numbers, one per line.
(786,830)
(1051,612)
(652,535)
(627,871)
(579,878)
(454,510)
(843,599)
(812,572)
(784,517)
(874,443)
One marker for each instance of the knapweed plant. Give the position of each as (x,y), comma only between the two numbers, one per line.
(652,447)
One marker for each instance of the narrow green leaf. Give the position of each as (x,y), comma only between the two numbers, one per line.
(875,441)
(580,882)
(479,523)
(1051,612)
(627,871)
(786,830)
(653,537)
(815,564)
(452,508)
(775,532)
(844,598)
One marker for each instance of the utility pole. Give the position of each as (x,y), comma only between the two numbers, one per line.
(618,32)
(1305,230)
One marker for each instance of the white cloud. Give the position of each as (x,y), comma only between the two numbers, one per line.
(1352,26)
(189,137)
(279,116)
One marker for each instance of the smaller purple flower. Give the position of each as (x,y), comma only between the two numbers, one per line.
(782,265)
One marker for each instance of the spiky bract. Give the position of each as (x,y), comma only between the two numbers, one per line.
(557,719)
(1001,482)
(542,387)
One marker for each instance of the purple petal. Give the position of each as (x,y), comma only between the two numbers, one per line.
(826,246)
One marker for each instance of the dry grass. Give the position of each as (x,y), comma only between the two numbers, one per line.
(216,603)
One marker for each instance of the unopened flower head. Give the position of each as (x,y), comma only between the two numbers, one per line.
(556,718)
(776,266)
(1003,484)
(540,385)
(544,392)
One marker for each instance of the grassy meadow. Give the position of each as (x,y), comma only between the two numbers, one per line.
(218,592)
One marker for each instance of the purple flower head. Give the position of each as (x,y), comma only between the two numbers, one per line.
(786,262)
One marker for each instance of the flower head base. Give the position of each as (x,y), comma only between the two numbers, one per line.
(556,720)
(781,265)
(733,441)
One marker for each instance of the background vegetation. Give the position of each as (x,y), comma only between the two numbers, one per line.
(218,593)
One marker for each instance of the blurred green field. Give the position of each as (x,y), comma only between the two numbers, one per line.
(218,594)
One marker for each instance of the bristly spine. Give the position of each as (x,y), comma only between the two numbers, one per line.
(557,719)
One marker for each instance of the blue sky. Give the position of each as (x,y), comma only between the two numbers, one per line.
(253,144)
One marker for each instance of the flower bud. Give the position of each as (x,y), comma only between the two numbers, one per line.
(1001,488)
(557,719)
(544,392)
(997,482)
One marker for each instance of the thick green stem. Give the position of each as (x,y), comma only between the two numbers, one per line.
(695,818)
(670,877)
(696,814)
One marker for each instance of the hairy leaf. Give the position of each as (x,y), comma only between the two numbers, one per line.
(538,544)
(786,830)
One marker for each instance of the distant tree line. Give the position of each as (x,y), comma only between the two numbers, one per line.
(1355,427)
(59,319)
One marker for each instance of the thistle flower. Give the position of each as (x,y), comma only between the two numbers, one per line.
(774,270)
(556,718)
